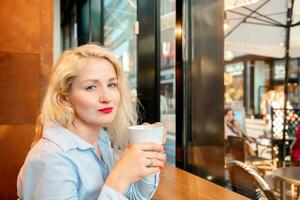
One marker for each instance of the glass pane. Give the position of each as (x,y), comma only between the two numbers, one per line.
(234,87)
(119,36)
(95,20)
(66,39)
(167,74)
(74,39)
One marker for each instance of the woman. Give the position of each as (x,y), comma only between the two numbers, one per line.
(295,150)
(232,128)
(72,157)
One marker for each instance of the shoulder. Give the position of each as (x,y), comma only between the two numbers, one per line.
(45,147)
(47,171)
(46,168)
(46,154)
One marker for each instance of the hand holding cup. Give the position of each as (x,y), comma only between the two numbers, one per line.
(144,156)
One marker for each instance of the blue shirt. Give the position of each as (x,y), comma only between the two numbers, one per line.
(64,166)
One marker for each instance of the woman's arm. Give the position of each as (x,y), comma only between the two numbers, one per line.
(144,188)
(237,128)
(132,175)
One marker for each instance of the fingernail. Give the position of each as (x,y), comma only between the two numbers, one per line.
(167,158)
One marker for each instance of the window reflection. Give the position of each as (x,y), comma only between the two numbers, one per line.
(119,36)
(167,74)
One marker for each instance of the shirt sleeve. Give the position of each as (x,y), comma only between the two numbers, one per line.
(108,193)
(144,188)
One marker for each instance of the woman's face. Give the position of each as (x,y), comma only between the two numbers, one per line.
(94,94)
(229,116)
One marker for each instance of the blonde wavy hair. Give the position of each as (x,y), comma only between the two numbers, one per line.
(61,78)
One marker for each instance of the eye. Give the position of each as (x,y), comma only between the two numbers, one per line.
(90,88)
(112,85)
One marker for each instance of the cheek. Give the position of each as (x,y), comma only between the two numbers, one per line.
(117,98)
(81,102)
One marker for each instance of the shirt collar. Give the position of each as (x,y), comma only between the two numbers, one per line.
(67,140)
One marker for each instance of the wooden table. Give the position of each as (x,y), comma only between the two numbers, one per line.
(290,175)
(179,184)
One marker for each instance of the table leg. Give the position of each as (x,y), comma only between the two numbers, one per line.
(292,192)
(283,190)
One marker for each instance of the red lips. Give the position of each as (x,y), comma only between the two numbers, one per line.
(106,110)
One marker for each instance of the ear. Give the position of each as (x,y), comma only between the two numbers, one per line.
(64,99)
(67,99)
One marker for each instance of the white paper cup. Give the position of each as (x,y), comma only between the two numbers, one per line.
(146,133)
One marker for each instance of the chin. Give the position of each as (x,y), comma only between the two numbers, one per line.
(105,122)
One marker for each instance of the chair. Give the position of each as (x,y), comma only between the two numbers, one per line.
(247,181)
(238,151)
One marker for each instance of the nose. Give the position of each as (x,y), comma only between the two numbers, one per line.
(105,96)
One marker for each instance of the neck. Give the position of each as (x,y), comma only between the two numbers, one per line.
(88,133)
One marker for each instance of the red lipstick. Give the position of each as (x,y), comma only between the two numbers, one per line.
(106,110)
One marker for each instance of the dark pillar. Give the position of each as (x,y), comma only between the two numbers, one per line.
(271,63)
(148,59)
(83,21)
(206,80)
(252,64)
(181,111)
(245,103)
(96,21)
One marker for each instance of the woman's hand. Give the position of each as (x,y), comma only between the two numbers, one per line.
(135,162)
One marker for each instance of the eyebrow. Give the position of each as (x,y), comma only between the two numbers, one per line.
(97,81)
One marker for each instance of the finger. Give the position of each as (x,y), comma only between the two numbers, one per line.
(146,123)
(155,163)
(158,124)
(156,155)
(150,146)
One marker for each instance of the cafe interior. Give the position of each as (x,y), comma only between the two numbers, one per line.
(222,76)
